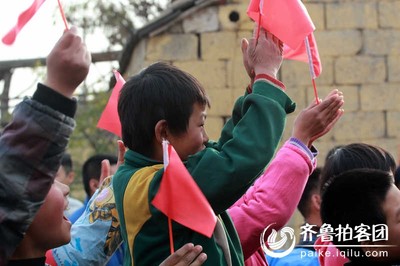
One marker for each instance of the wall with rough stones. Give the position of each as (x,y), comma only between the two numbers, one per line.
(359,45)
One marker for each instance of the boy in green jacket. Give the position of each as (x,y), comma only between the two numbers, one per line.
(163,102)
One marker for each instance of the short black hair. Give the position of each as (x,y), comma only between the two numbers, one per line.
(356,155)
(66,162)
(397,177)
(355,197)
(160,91)
(91,169)
(312,187)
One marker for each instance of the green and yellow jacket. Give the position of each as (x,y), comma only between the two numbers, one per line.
(224,170)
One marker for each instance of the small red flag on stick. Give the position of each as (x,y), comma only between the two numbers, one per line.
(290,22)
(180,198)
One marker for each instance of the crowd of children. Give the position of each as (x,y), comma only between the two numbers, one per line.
(249,183)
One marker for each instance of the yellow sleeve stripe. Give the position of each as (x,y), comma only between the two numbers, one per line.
(136,205)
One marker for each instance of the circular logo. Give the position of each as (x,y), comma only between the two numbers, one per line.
(275,244)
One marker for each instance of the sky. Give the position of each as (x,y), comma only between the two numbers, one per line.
(35,40)
(37,37)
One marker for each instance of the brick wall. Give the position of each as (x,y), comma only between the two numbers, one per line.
(359,45)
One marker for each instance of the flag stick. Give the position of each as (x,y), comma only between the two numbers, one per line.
(165,145)
(258,28)
(63,15)
(171,237)
(311,67)
(260,7)
(315,91)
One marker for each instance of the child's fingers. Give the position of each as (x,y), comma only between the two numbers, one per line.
(105,170)
(333,102)
(199,260)
(275,40)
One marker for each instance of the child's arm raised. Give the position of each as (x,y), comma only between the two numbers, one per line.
(275,194)
(32,145)
(249,139)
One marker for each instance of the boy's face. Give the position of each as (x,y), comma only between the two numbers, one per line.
(193,140)
(50,228)
(391,208)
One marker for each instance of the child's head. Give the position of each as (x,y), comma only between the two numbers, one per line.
(356,155)
(364,197)
(49,228)
(91,171)
(163,102)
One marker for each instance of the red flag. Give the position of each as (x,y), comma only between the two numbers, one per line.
(109,119)
(300,54)
(290,22)
(180,198)
(23,18)
(286,19)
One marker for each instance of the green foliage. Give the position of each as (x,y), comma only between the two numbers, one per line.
(87,137)
(115,19)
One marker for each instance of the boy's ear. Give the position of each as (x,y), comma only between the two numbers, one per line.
(93,184)
(316,201)
(160,130)
(71,177)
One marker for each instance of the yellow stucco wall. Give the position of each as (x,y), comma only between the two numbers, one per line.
(359,45)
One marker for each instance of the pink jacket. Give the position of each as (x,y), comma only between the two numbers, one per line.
(272,199)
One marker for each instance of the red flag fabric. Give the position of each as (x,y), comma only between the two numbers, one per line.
(109,119)
(23,18)
(290,22)
(286,19)
(181,199)
(300,54)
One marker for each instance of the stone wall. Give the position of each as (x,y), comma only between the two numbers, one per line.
(359,44)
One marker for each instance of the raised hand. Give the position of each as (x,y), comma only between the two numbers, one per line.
(262,56)
(318,119)
(105,164)
(67,64)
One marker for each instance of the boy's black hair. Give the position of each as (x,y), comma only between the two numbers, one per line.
(91,169)
(397,177)
(356,155)
(355,197)
(66,162)
(312,187)
(160,91)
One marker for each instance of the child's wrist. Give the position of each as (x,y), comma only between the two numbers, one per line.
(265,70)
(303,139)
